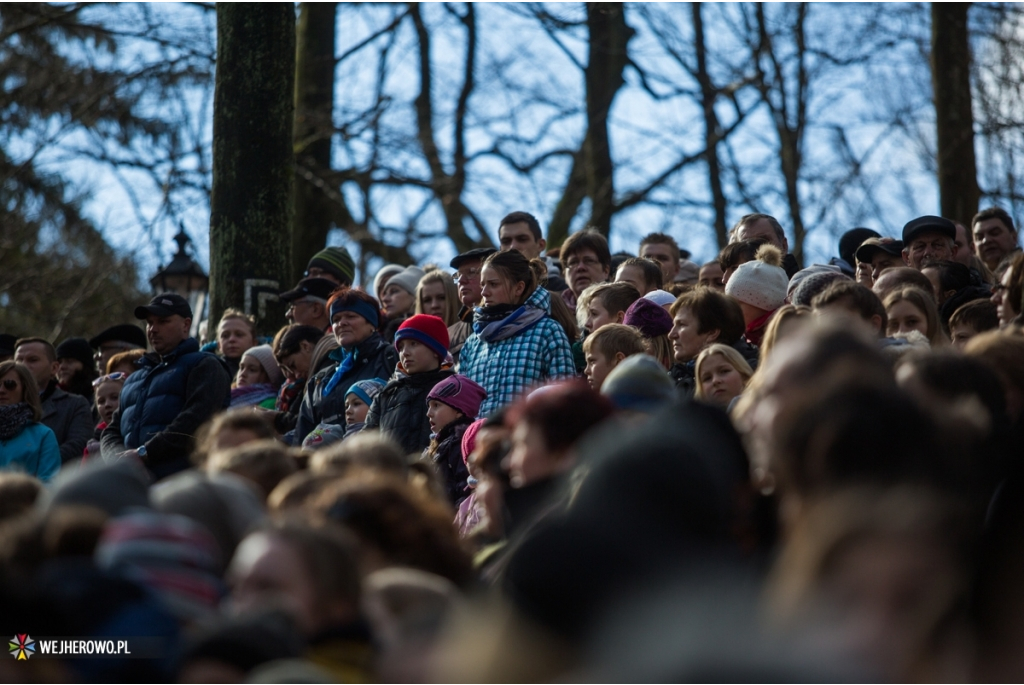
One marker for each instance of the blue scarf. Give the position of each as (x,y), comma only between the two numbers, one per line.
(344,366)
(492,330)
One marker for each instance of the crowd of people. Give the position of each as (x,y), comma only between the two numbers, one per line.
(543,464)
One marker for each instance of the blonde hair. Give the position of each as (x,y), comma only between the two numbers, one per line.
(660,348)
(612,338)
(771,333)
(734,358)
(232,313)
(29,389)
(924,302)
(451,295)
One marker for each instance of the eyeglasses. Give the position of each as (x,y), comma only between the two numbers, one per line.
(116,376)
(10,384)
(467,275)
(588,262)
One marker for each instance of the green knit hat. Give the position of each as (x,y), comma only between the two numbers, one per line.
(336,261)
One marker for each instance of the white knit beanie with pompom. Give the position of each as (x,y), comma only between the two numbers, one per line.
(762,282)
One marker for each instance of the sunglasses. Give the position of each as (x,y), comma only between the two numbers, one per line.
(10,384)
(116,376)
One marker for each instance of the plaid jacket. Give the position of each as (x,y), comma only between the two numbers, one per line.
(507,367)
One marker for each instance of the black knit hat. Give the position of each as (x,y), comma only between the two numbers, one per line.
(125,332)
(7,344)
(77,349)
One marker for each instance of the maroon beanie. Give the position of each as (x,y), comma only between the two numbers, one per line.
(459,393)
(649,318)
(427,329)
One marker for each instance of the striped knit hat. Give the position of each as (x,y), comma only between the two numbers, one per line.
(335,261)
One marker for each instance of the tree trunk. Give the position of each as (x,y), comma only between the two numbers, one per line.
(253,160)
(609,35)
(712,127)
(951,81)
(314,126)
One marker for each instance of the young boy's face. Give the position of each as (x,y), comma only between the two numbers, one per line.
(355,409)
(440,415)
(634,275)
(598,368)
(417,357)
(107,398)
(960,334)
(598,316)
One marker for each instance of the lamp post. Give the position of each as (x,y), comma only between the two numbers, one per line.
(184,277)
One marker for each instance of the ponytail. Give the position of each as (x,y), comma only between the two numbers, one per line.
(515,268)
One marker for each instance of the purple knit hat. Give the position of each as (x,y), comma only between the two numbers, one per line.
(459,393)
(649,318)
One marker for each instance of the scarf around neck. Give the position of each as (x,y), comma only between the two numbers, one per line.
(13,419)
(503,321)
(252,394)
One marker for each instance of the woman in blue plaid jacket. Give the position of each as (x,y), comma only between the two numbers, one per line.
(515,345)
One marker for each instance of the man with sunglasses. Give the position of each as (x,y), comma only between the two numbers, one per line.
(176,390)
(68,416)
(467,277)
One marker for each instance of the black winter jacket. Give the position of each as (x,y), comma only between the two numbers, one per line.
(400,410)
(374,359)
(448,461)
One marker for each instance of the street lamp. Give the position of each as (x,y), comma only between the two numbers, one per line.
(184,277)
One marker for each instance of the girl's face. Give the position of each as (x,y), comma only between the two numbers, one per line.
(355,409)
(350,329)
(108,396)
(11,389)
(416,357)
(250,372)
(720,382)
(495,289)
(905,317)
(234,337)
(432,299)
(440,415)
(397,301)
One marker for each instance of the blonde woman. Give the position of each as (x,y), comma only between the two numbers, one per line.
(438,296)
(722,374)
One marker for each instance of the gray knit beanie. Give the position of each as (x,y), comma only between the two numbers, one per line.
(407,279)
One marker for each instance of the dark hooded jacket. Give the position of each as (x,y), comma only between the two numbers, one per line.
(448,461)
(374,358)
(400,410)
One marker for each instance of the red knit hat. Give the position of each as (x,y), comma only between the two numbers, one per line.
(427,329)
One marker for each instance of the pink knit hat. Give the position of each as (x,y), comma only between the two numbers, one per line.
(459,393)
(469,439)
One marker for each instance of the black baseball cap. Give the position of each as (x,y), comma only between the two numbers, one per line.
(480,253)
(870,247)
(165,304)
(928,224)
(311,287)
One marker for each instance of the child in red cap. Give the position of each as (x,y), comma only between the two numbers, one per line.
(398,411)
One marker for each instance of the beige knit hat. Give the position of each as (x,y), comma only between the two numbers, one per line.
(265,356)
(762,282)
